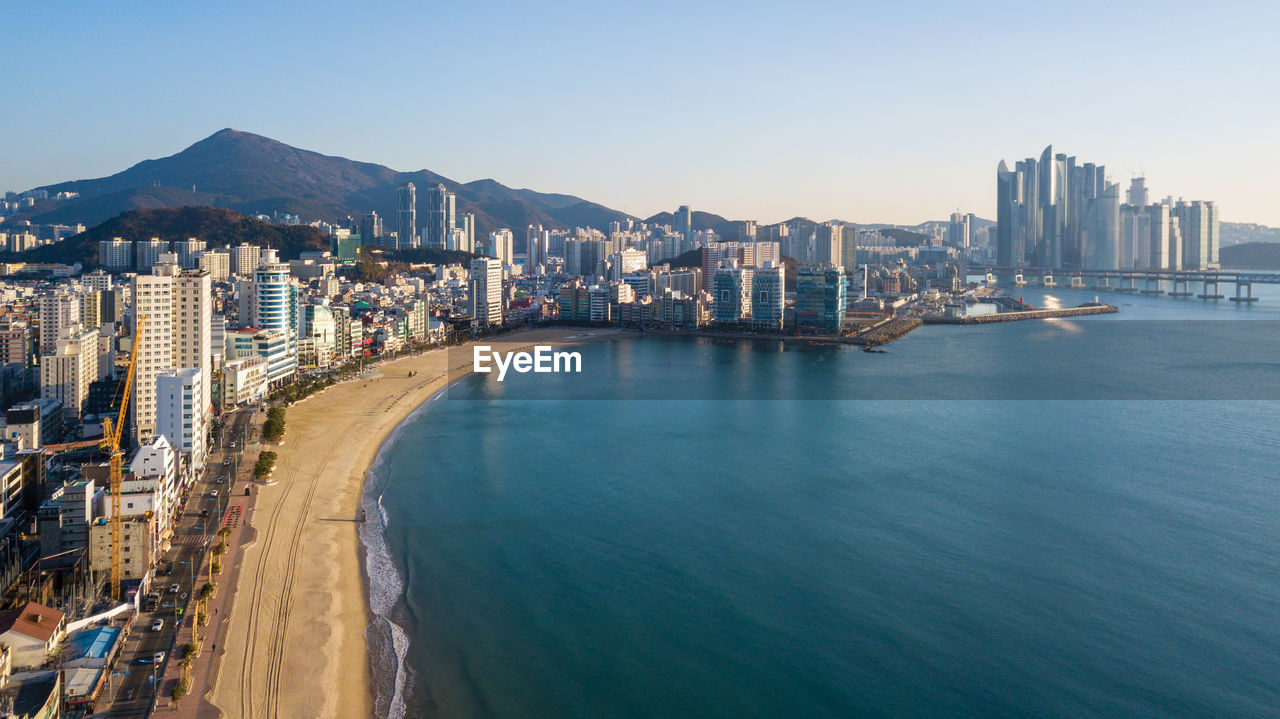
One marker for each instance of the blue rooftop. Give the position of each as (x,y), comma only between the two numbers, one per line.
(93,643)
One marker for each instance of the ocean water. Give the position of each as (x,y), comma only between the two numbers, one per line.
(869,535)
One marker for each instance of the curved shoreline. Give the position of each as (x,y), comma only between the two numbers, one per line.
(299,625)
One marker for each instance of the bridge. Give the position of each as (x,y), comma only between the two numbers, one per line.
(1129,280)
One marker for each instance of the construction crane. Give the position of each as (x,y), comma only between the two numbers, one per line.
(111,445)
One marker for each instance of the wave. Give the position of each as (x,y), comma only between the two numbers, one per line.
(388,640)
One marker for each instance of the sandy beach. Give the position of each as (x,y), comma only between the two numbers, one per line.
(295,645)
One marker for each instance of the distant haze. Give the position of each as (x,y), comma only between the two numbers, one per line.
(867,112)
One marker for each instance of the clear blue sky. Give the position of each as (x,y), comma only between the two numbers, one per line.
(872,112)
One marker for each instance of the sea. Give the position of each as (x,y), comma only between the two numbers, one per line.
(1067,518)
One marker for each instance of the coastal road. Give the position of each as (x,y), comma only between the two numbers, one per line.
(137,676)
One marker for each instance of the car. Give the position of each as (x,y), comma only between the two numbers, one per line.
(213,494)
(221,480)
(173,588)
(159,658)
(204,513)
(157,625)
(226,462)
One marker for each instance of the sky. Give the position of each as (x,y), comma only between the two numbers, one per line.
(868,112)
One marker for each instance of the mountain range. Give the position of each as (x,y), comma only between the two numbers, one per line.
(257,175)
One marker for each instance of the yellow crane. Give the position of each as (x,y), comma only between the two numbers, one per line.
(111,445)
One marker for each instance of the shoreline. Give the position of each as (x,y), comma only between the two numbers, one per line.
(301,609)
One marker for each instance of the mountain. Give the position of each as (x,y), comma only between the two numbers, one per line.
(1251,256)
(257,175)
(215,225)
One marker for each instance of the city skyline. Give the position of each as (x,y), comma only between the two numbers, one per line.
(861,103)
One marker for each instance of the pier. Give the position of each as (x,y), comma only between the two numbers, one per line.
(1092,308)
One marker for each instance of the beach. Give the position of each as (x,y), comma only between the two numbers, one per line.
(296,645)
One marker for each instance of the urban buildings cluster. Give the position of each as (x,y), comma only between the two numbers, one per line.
(1057,213)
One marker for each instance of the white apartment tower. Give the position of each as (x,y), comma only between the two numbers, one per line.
(486,292)
(177,334)
(66,372)
(178,412)
(57,311)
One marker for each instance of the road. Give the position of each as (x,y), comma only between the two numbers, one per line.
(134,691)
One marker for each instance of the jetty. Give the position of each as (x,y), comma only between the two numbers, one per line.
(1091,308)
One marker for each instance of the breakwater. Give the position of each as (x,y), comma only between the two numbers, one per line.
(1093,308)
(886,332)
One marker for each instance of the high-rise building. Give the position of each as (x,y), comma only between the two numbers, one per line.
(178,333)
(370,229)
(152,300)
(147,253)
(406,217)
(536,246)
(1101,245)
(115,254)
(217,263)
(1056,213)
(441,217)
(769,288)
(829,244)
(56,311)
(486,292)
(178,412)
(625,262)
(957,232)
(245,258)
(733,285)
(684,224)
(189,252)
(1199,224)
(821,299)
(276,310)
(1137,196)
(502,246)
(67,371)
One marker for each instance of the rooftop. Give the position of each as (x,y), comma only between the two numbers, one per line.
(32,620)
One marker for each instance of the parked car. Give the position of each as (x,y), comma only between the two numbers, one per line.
(173,588)
(157,625)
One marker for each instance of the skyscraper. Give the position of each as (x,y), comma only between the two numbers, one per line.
(829,245)
(1042,212)
(1199,223)
(441,217)
(370,229)
(406,217)
(684,224)
(958,230)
